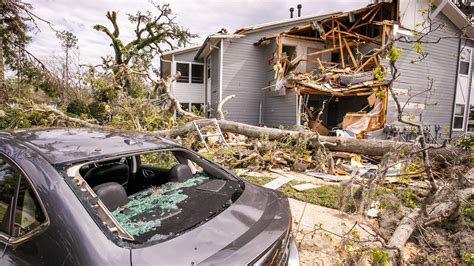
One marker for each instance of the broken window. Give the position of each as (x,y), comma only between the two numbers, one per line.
(184,70)
(168,192)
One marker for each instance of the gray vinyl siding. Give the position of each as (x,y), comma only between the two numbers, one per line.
(440,65)
(187,56)
(245,67)
(280,110)
(188,92)
(215,77)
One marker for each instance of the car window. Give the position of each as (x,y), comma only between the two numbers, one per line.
(28,212)
(8,180)
(162,159)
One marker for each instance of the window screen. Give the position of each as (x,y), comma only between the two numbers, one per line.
(184,70)
(197,73)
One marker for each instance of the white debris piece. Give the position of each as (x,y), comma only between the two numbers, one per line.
(303,187)
(275,184)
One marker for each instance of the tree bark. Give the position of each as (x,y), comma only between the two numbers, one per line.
(362,146)
(3,83)
(436,213)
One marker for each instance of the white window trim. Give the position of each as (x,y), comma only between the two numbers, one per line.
(467,104)
(190,70)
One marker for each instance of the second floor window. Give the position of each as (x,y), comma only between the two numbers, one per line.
(190,73)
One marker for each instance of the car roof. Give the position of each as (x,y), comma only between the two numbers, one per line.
(63,145)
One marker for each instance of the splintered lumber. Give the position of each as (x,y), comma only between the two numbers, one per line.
(370,147)
(354,61)
(341,48)
(329,50)
(302,37)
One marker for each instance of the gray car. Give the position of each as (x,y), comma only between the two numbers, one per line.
(98,197)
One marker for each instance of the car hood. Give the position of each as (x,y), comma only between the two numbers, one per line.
(237,235)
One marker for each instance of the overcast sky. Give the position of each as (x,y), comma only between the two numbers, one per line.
(200,16)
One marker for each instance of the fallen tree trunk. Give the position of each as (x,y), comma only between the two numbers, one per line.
(370,147)
(436,213)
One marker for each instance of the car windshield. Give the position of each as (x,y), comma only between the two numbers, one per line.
(159,195)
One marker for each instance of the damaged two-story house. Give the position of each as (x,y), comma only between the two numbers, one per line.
(327,72)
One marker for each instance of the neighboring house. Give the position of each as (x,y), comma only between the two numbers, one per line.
(244,64)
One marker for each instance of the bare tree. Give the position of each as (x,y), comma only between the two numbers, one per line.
(68,42)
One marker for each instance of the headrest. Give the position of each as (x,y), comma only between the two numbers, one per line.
(180,173)
(112,194)
(116,172)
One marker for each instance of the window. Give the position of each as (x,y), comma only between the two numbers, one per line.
(185,106)
(465,61)
(162,160)
(209,67)
(197,108)
(184,70)
(8,180)
(458,116)
(28,213)
(197,73)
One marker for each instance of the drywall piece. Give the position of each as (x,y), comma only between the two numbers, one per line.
(275,184)
(303,187)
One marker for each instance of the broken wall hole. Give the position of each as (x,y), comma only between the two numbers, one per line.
(338,57)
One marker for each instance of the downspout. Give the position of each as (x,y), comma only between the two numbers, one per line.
(298,110)
(455,90)
(221,68)
(173,70)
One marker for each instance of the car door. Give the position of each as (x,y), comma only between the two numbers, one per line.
(22,217)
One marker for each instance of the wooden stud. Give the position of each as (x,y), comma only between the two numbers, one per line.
(375,14)
(370,12)
(359,36)
(341,51)
(329,50)
(341,25)
(302,37)
(333,34)
(383,31)
(321,67)
(365,63)
(355,25)
(354,61)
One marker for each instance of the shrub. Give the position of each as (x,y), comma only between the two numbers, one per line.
(76,107)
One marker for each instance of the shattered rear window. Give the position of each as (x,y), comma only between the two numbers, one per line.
(157,195)
(146,209)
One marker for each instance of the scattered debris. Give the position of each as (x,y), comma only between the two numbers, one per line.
(304,186)
(275,184)
(327,177)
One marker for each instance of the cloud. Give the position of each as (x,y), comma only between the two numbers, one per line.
(201,17)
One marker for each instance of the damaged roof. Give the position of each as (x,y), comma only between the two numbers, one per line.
(274,24)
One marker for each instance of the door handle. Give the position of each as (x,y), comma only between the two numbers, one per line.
(148,173)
